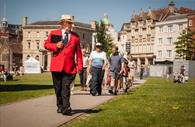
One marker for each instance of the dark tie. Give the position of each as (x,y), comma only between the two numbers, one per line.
(66,38)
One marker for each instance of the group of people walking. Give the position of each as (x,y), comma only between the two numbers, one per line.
(115,72)
(68,59)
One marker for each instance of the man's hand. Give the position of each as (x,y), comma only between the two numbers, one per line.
(60,45)
(121,71)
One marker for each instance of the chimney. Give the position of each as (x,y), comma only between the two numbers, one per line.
(24,21)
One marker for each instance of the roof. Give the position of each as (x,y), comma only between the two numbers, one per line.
(105,20)
(176,16)
(161,14)
(52,23)
(123,26)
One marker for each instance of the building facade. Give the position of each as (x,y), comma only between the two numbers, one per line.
(35,33)
(166,34)
(10,45)
(141,31)
(142,34)
(125,46)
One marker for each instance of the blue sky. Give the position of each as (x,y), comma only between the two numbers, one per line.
(119,11)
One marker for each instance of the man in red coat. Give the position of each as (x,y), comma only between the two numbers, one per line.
(66,61)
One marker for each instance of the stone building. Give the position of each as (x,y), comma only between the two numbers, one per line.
(125,46)
(141,31)
(35,33)
(10,45)
(166,33)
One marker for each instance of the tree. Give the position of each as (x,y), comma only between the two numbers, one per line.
(185,46)
(104,38)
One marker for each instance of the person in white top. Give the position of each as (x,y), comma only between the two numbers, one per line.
(83,74)
(132,67)
(97,63)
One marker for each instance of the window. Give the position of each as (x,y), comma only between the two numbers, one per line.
(169,40)
(136,49)
(95,38)
(160,40)
(83,36)
(27,57)
(180,27)
(161,29)
(159,53)
(46,33)
(169,53)
(170,28)
(148,39)
(28,33)
(140,39)
(148,48)
(29,45)
(37,57)
(190,22)
(38,45)
(37,34)
(5,57)
(144,48)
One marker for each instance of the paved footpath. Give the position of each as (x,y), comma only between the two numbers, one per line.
(41,112)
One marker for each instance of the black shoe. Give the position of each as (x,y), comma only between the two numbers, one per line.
(67,111)
(99,94)
(126,89)
(93,93)
(110,90)
(59,110)
(115,92)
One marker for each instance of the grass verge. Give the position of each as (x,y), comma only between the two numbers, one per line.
(26,87)
(158,103)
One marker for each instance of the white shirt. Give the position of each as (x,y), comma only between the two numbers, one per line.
(63,34)
(97,58)
(85,61)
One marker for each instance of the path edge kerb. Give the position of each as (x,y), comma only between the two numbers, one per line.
(91,108)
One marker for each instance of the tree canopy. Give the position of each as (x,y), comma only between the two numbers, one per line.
(103,38)
(185,45)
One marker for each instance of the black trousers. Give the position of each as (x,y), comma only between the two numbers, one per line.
(97,77)
(83,77)
(61,82)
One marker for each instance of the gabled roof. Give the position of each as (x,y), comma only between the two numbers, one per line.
(124,24)
(176,16)
(160,14)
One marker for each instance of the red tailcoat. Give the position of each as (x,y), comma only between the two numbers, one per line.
(64,59)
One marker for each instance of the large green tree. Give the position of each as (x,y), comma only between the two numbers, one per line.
(185,45)
(103,38)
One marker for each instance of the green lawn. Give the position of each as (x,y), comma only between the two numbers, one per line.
(158,103)
(26,87)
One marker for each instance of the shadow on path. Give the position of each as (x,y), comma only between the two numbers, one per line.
(89,111)
(21,87)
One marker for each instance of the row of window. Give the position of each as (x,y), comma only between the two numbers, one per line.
(169,40)
(29,44)
(141,49)
(47,33)
(168,53)
(37,34)
(170,28)
(36,57)
(141,30)
(142,39)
